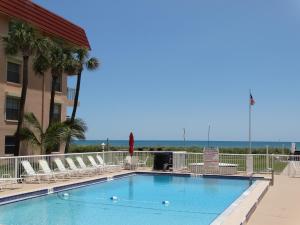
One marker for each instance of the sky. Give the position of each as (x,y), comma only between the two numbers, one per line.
(173,64)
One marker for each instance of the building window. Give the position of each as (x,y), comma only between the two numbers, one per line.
(12,108)
(13,72)
(57,113)
(10,144)
(58,83)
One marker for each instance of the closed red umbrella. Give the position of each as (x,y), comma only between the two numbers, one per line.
(131,143)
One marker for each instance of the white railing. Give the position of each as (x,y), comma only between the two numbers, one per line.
(11,166)
(181,161)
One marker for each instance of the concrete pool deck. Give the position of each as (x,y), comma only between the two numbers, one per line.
(280,205)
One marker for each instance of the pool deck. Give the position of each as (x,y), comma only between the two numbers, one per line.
(280,205)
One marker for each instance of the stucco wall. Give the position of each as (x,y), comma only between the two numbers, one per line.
(35,102)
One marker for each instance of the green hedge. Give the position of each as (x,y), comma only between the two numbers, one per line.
(97,148)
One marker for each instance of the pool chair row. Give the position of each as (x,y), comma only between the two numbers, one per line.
(74,169)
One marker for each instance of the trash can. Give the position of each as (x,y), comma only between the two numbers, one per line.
(163,161)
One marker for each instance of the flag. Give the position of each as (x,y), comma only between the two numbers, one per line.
(252,101)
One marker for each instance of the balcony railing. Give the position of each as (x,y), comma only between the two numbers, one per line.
(71,93)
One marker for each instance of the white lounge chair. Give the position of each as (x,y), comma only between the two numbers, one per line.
(61,168)
(108,167)
(84,166)
(75,169)
(294,168)
(46,170)
(131,162)
(30,173)
(93,162)
(142,163)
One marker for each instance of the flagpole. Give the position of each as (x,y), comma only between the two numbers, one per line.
(250,144)
(184,139)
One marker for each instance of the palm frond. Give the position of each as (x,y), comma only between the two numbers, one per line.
(27,135)
(71,65)
(33,121)
(92,64)
(77,128)
(22,36)
(55,134)
(82,54)
(10,47)
(40,64)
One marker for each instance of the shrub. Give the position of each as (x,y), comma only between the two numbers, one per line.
(97,148)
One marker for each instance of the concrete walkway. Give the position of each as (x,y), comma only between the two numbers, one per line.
(280,205)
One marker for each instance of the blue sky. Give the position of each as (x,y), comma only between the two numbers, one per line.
(172,64)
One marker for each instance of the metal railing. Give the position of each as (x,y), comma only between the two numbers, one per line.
(71,93)
(181,161)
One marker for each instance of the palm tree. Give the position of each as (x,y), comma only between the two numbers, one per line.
(51,56)
(21,38)
(56,65)
(54,135)
(41,65)
(81,60)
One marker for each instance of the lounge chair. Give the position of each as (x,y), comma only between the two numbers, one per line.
(142,163)
(46,170)
(93,162)
(61,168)
(294,168)
(84,166)
(131,162)
(30,173)
(75,169)
(108,167)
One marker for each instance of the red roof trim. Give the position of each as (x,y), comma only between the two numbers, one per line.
(45,20)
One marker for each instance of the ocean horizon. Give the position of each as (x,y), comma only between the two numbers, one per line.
(180,143)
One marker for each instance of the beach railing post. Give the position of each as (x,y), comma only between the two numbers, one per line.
(272,179)
(267,157)
(16,167)
(272,166)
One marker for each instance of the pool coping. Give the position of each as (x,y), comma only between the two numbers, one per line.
(221,219)
(240,211)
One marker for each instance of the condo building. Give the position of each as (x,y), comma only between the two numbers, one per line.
(39,87)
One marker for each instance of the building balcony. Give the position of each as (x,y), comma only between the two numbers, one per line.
(71,96)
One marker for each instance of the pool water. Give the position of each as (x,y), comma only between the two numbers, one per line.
(191,201)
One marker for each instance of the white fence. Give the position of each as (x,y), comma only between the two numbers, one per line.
(181,161)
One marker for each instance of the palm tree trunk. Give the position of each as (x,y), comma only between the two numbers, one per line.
(51,110)
(22,104)
(74,107)
(76,96)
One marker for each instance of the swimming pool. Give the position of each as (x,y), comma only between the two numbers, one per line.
(140,201)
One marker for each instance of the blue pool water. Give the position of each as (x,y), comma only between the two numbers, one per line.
(192,201)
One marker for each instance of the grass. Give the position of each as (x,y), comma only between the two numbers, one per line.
(195,149)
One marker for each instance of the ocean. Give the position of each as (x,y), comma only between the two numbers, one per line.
(161,143)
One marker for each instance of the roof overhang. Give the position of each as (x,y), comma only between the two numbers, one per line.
(45,20)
